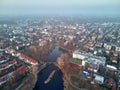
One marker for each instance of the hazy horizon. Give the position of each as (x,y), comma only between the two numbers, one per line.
(60,7)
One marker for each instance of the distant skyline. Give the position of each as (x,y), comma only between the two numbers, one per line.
(60,7)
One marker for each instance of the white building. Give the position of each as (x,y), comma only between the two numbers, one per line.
(107,46)
(99,79)
(78,55)
(117,48)
(89,58)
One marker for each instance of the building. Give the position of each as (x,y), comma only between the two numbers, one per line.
(118,82)
(117,48)
(107,46)
(89,60)
(99,79)
(21,56)
(28,59)
(78,55)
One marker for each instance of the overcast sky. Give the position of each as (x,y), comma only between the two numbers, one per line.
(63,7)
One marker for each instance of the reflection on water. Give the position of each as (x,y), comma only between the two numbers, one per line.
(54,54)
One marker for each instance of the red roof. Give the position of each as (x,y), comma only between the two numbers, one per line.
(21,69)
(3,78)
(8,63)
(28,59)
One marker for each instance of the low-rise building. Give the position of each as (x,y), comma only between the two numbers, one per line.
(92,62)
(107,46)
(99,79)
(79,55)
(117,48)
(88,57)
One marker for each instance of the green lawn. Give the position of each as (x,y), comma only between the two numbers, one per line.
(77,61)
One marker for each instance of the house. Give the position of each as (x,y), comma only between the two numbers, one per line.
(98,44)
(111,67)
(7,65)
(107,46)
(42,42)
(110,82)
(118,83)
(117,48)
(99,79)
(16,54)
(6,77)
(115,54)
(92,67)
(28,59)
(3,80)
(21,56)
(114,59)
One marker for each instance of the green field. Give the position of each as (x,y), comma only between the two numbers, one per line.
(77,61)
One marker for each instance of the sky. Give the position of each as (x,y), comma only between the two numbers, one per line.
(60,7)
